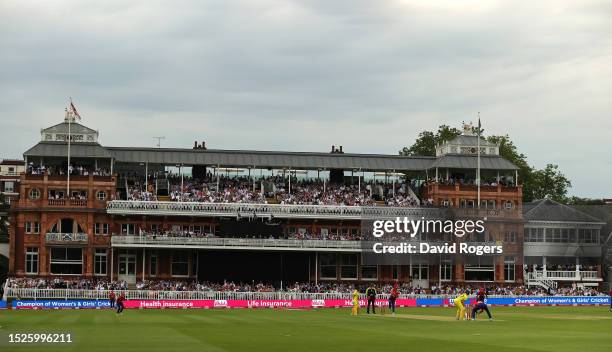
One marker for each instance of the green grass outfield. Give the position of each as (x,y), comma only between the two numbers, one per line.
(555,329)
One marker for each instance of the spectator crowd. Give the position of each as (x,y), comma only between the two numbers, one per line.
(280,191)
(304,287)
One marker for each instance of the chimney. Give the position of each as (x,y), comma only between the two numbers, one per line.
(204,145)
(195,144)
(333,149)
(341,149)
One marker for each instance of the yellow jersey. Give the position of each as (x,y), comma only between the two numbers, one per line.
(355,297)
(463,297)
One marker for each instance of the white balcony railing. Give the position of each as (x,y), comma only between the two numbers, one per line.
(571,275)
(266,210)
(235,243)
(66,237)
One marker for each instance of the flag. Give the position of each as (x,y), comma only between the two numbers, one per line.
(479,127)
(74,110)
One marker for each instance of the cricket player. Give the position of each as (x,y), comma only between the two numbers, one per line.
(459,303)
(393,297)
(355,309)
(120,304)
(481,305)
(111,299)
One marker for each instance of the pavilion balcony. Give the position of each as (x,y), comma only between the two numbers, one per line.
(123,207)
(67,202)
(131,241)
(572,275)
(436,188)
(119,241)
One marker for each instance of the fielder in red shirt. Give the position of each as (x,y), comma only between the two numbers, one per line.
(120,305)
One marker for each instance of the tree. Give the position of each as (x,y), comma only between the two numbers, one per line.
(551,183)
(537,184)
(584,201)
(508,151)
(426,143)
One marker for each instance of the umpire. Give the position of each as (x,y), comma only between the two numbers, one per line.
(371,294)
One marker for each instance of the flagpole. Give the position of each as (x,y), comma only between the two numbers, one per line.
(69,138)
(478,166)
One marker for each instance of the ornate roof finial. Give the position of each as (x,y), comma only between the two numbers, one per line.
(468,129)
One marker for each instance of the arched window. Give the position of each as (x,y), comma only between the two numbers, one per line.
(34,193)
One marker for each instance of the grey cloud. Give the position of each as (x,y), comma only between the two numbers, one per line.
(302,75)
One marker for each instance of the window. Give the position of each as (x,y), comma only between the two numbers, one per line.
(9,186)
(534,234)
(128,229)
(328,266)
(31,261)
(348,266)
(66,261)
(483,269)
(34,193)
(370,272)
(32,227)
(101,195)
(446,271)
(571,235)
(100,261)
(420,272)
(508,205)
(555,235)
(509,268)
(180,263)
(510,237)
(588,236)
(395,272)
(101,228)
(153,265)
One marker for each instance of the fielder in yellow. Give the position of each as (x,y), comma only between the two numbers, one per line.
(460,305)
(355,309)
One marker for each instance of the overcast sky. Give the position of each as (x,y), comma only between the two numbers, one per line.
(289,75)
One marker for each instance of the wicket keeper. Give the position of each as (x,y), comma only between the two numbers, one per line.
(481,305)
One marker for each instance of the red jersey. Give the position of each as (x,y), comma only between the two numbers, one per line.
(121,299)
(111,296)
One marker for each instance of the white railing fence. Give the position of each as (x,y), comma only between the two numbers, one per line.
(66,294)
(265,210)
